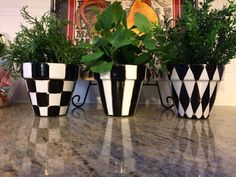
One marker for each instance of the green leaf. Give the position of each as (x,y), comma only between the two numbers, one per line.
(142,59)
(124,19)
(91,57)
(120,44)
(84,46)
(111,15)
(121,38)
(142,23)
(101,67)
(149,42)
(117,12)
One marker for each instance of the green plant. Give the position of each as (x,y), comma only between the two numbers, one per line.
(202,35)
(42,41)
(114,43)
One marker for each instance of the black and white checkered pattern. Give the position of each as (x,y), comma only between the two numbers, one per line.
(120,89)
(50,86)
(194,88)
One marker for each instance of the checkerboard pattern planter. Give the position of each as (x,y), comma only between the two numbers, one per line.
(194,88)
(50,86)
(120,89)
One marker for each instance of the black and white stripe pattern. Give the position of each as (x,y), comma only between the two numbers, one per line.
(50,86)
(120,89)
(194,88)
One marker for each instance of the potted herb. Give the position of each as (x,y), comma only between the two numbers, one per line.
(118,58)
(49,63)
(195,51)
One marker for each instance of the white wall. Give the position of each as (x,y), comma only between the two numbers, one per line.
(10,19)
(10,13)
(226,94)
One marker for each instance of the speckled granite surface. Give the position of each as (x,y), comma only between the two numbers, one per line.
(88,143)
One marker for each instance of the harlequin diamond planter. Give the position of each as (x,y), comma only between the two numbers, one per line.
(194,88)
(50,86)
(120,89)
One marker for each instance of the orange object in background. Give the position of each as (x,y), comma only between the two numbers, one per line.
(142,7)
(87,14)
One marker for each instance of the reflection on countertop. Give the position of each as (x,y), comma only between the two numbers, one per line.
(87,143)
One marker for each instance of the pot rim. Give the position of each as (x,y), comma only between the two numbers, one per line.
(196,64)
(46,71)
(209,75)
(49,63)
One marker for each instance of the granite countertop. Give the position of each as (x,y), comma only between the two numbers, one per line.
(87,143)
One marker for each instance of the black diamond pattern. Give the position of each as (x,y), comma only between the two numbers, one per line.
(175,97)
(195,98)
(210,71)
(183,97)
(206,97)
(221,70)
(170,70)
(213,97)
(182,70)
(197,71)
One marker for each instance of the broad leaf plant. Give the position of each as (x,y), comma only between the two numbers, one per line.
(114,43)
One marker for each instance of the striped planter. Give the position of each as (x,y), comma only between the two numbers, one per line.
(194,88)
(120,89)
(50,86)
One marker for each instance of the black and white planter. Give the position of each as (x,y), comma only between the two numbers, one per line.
(50,86)
(194,88)
(120,89)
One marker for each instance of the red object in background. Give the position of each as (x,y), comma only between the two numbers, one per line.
(176,9)
(148,2)
(71,13)
(6,81)
(87,14)
(83,12)
(5,78)
(71,16)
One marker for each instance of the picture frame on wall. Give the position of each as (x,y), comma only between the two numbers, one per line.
(81,13)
